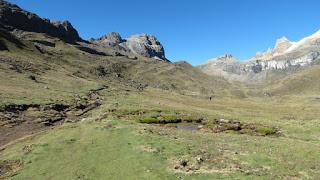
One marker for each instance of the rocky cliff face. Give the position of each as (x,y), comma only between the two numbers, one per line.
(285,56)
(145,45)
(142,45)
(13,17)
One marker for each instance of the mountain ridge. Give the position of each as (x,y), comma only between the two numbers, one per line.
(15,19)
(286,55)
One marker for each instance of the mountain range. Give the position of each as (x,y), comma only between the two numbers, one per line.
(285,56)
(15,19)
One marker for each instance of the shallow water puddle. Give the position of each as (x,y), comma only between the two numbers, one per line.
(193,127)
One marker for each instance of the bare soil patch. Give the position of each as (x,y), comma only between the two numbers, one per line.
(17,121)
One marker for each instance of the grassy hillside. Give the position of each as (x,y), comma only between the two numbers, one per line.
(38,68)
(304,82)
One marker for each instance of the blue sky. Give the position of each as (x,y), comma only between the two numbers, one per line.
(192,30)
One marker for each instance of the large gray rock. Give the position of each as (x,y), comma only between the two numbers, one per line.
(13,17)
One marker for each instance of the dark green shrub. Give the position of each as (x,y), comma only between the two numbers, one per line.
(266,131)
(170,119)
(149,120)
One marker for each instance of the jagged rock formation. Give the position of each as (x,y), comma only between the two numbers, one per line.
(281,46)
(13,17)
(142,45)
(285,56)
(111,39)
(145,45)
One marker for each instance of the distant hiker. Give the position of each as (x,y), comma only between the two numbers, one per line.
(210,98)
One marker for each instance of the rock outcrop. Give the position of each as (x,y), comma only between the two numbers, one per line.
(281,46)
(145,45)
(142,45)
(285,56)
(111,39)
(13,17)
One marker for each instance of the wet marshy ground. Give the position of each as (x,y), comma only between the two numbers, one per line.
(195,122)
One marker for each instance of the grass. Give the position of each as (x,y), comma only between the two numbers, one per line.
(266,131)
(116,149)
(111,143)
(149,120)
(104,153)
(120,148)
(160,120)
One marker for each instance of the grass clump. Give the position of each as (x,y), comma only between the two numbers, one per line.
(160,120)
(170,119)
(265,131)
(149,120)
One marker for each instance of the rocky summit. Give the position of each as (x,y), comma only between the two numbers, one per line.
(145,45)
(13,17)
(142,45)
(110,39)
(285,56)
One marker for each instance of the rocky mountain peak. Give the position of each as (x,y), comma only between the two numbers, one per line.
(66,25)
(13,17)
(224,58)
(282,45)
(145,45)
(110,39)
(282,39)
(140,44)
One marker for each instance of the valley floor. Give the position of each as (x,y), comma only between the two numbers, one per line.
(111,143)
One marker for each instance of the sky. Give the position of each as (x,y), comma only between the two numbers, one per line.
(191,30)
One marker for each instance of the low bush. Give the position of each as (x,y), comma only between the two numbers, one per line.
(170,119)
(266,131)
(149,120)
